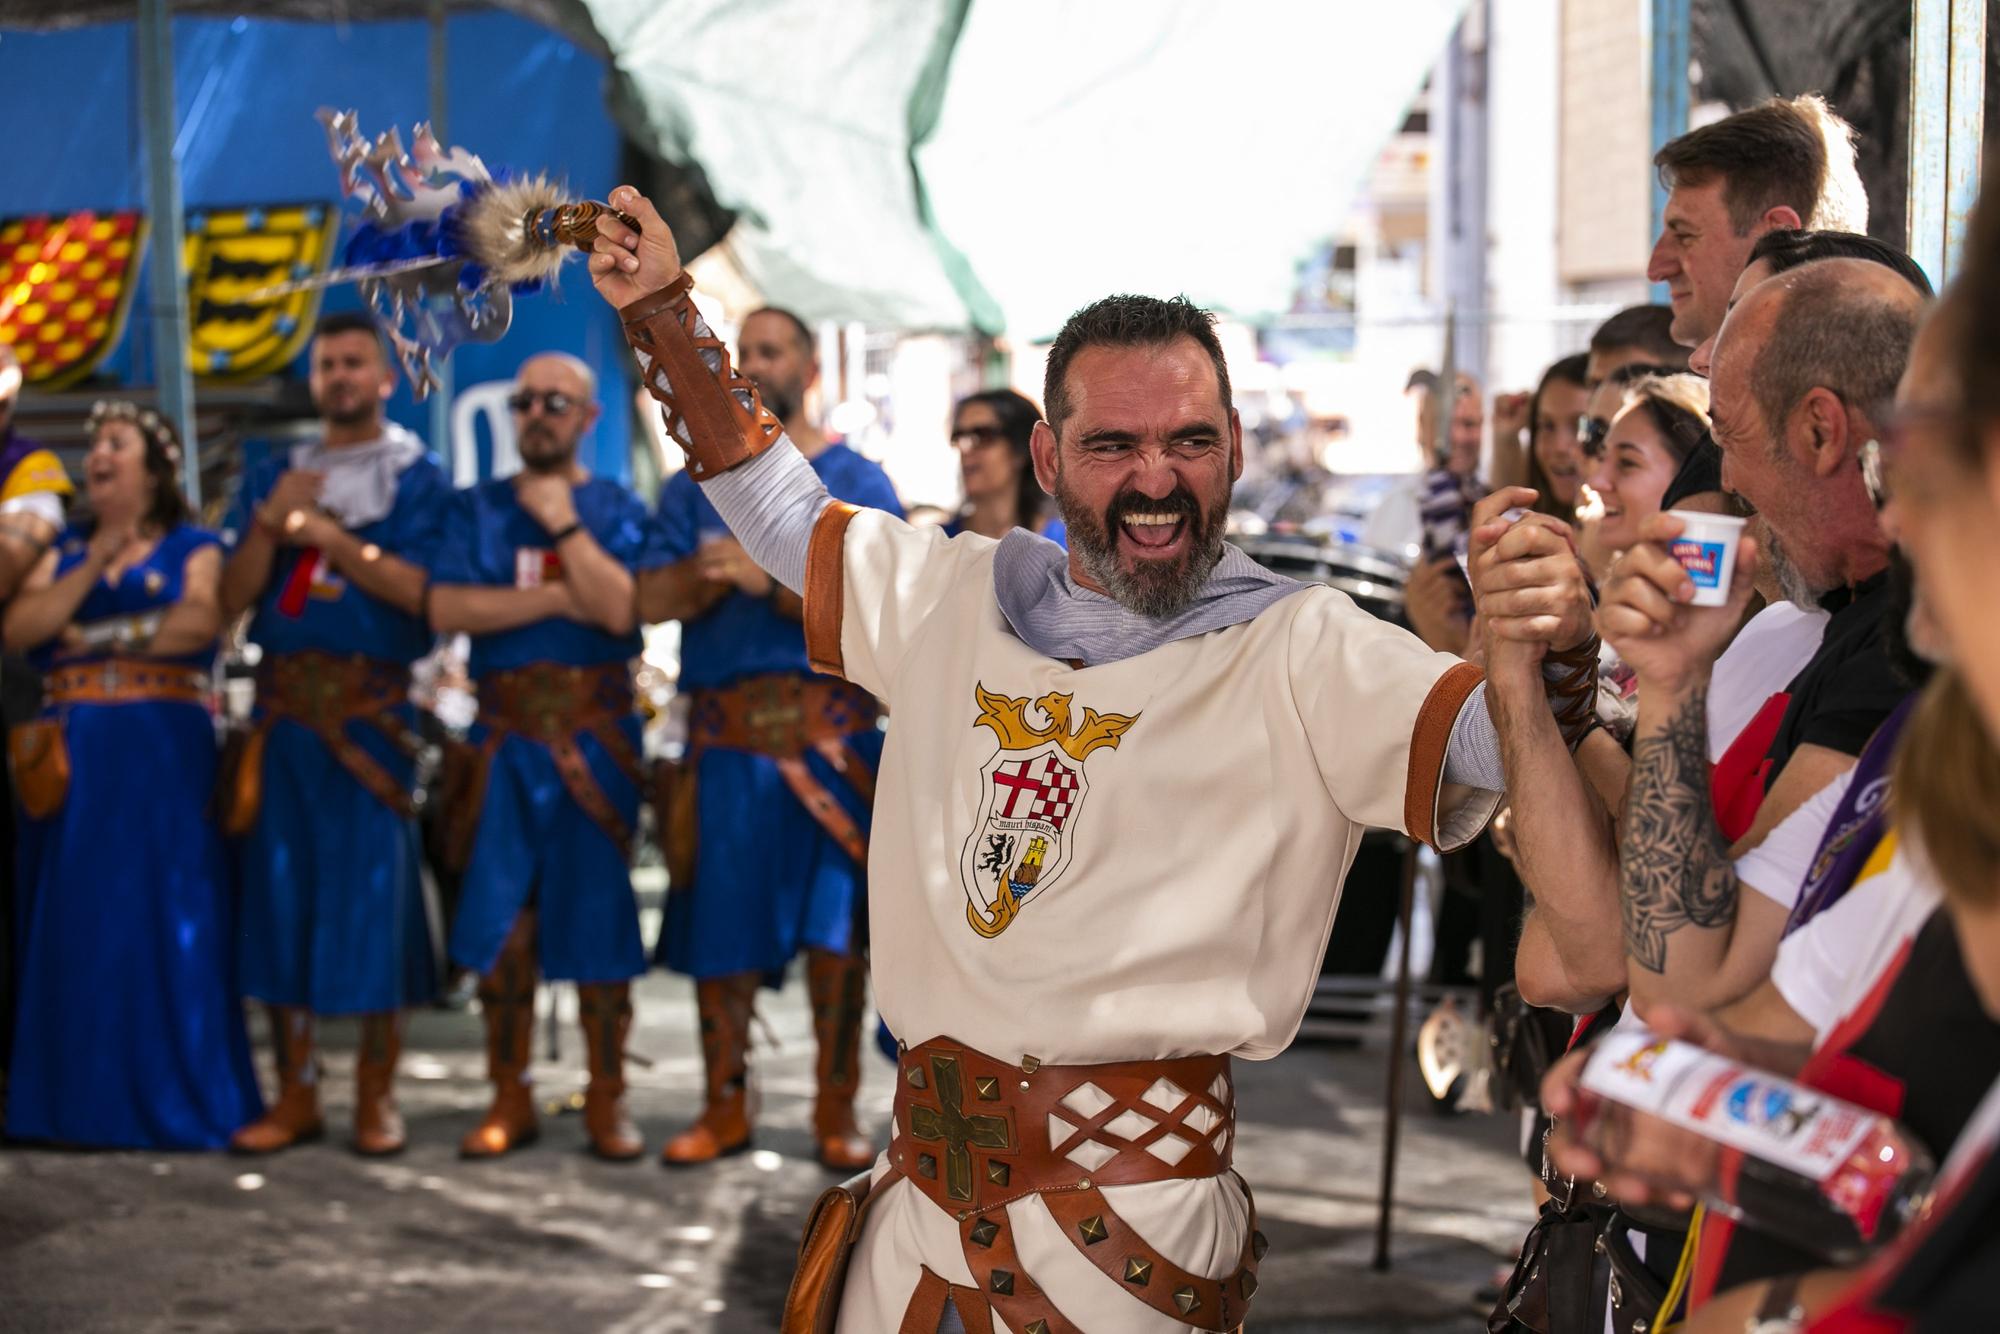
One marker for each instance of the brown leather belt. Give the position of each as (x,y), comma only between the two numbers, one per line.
(974,1134)
(125,681)
(552,705)
(785,716)
(324,692)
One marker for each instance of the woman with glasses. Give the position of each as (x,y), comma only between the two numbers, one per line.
(129,1034)
(1661,420)
(990,431)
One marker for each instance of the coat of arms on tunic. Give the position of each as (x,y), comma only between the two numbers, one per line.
(1031,793)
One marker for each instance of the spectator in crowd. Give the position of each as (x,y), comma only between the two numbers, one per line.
(130,1032)
(990,430)
(1636,334)
(1662,419)
(1780,251)
(1555,465)
(1436,598)
(1785,163)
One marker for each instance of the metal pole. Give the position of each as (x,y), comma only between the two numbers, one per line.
(1399,1025)
(174,384)
(1947,118)
(441,397)
(1670,59)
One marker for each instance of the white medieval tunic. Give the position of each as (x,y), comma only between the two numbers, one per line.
(1131,861)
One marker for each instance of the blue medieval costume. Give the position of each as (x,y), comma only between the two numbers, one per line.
(546,813)
(334,918)
(130,1032)
(782,765)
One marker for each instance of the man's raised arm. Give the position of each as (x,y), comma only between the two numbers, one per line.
(764,489)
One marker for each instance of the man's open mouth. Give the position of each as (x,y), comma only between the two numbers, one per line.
(1152,532)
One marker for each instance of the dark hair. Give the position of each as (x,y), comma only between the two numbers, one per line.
(1677,405)
(1788,248)
(1782,153)
(799,328)
(162,445)
(352,321)
(1017,415)
(1644,327)
(1569,370)
(1128,321)
(1827,333)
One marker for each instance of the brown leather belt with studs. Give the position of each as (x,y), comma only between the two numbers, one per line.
(554,704)
(124,680)
(974,1134)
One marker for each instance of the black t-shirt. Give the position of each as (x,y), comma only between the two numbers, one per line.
(1932,1045)
(1849,687)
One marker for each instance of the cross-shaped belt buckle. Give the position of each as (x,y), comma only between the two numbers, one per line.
(959,1134)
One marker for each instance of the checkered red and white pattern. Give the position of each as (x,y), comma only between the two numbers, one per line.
(1058,795)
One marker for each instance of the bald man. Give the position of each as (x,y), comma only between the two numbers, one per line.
(539,570)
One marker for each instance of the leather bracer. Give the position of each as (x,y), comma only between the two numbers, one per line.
(713,412)
(1569,680)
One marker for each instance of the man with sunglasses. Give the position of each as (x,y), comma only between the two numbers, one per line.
(539,570)
(767,821)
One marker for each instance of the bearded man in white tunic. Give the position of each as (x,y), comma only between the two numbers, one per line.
(1111,822)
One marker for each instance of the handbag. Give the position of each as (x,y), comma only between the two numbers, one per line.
(38,755)
(812,1303)
(1558,1284)
(239,781)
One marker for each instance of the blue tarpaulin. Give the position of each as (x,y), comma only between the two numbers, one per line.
(518,95)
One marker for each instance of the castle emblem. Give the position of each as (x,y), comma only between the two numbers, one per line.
(1031,793)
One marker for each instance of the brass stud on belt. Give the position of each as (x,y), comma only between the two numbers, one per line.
(1092,1230)
(1002,1282)
(1030,1064)
(1259,1243)
(984,1231)
(1036,1327)
(915,1074)
(987,1088)
(1249,1285)
(997,1173)
(1186,1300)
(927,1166)
(1138,1272)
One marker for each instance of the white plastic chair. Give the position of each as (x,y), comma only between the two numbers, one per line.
(489,399)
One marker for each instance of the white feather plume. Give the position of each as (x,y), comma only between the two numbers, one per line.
(493,228)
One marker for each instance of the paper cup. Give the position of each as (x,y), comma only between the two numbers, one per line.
(1706,549)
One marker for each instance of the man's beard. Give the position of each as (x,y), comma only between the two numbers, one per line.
(1156,589)
(1792,582)
(554,458)
(782,399)
(360,415)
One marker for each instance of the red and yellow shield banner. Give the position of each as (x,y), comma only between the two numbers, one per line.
(233,257)
(65,288)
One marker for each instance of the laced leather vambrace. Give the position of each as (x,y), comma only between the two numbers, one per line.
(712,411)
(1569,679)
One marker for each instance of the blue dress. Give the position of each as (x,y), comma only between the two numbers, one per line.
(1052,528)
(130,1033)
(333,905)
(534,843)
(768,879)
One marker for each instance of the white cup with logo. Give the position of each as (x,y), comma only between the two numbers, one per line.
(1707,550)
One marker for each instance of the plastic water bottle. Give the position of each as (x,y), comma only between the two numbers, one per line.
(1821,1173)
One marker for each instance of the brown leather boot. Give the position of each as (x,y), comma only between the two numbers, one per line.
(606,1011)
(723,1128)
(837,985)
(293,1117)
(378,1126)
(507,1006)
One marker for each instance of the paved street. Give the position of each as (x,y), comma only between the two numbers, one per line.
(318,1242)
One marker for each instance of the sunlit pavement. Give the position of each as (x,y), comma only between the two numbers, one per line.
(316,1240)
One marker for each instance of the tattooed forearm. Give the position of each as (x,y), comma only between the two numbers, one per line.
(1674,866)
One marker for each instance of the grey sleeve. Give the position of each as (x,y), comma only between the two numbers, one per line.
(1472,756)
(771,504)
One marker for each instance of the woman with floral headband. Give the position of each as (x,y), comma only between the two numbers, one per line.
(129,1031)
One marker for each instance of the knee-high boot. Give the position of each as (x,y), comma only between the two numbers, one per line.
(378,1126)
(293,1116)
(723,1128)
(507,1007)
(837,984)
(606,1011)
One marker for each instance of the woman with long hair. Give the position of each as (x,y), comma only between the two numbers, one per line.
(1555,464)
(990,430)
(129,1031)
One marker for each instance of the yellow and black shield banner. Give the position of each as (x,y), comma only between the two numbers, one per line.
(233,255)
